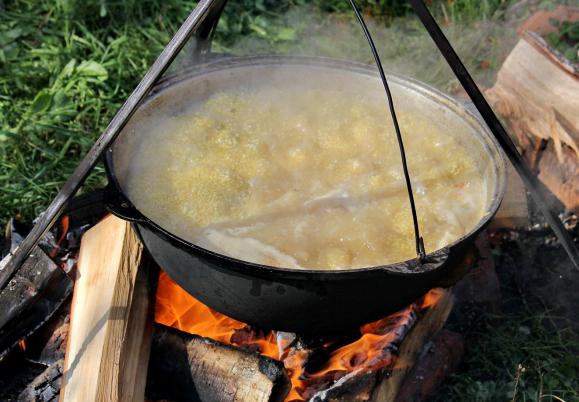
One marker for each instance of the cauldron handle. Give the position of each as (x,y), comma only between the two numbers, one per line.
(420,251)
(119,205)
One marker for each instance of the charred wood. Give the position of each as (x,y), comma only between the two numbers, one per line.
(34,275)
(45,387)
(31,298)
(48,344)
(16,373)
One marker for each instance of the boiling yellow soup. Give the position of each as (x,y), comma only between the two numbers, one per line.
(304,178)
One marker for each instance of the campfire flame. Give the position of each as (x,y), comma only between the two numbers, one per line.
(374,349)
(178,309)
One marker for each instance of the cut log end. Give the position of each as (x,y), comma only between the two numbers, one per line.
(196,368)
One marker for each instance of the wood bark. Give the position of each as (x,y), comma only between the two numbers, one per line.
(188,367)
(45,387)
(437,359)
(109,338)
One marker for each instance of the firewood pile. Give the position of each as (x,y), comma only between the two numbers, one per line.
(111,333)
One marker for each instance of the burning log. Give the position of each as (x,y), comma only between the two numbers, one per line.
(41,286)
(192,368)
(427,326)
(364,365)
(45,348)
(23,289)
(109,338)
(45,387)
(48,344)
(374,367)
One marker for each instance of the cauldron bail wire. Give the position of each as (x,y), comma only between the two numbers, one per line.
(421,253)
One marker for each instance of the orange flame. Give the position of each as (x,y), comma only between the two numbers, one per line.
(430,298)
(64,224)
(373,350)
(22,344)
(178,309)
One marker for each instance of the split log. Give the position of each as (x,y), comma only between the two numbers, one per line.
(187,367)
(109,338)
(541,97)
(536,91)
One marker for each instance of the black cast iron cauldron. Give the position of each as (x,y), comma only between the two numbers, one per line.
(305,301)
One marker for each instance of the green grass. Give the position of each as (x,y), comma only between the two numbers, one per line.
(524,347)
(565,39)
(63,74)
(514,357)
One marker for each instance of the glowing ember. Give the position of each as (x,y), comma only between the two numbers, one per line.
(371,351)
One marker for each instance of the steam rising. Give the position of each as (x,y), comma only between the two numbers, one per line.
(404,44)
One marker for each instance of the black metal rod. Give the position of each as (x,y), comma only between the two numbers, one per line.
(530,180)
(12,262)
(418,240)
